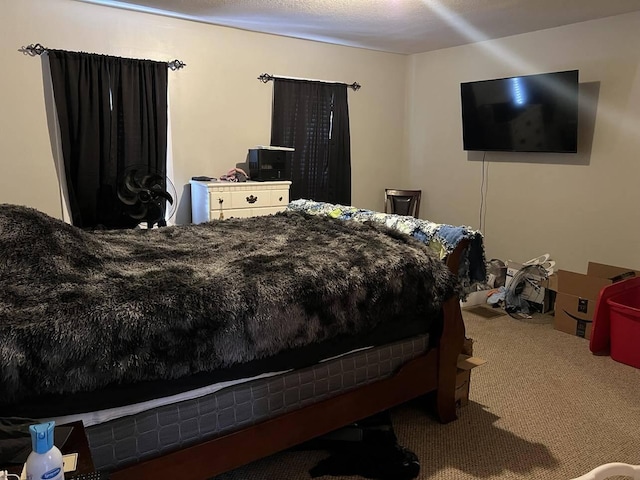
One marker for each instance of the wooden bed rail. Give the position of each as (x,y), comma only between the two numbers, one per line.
(233,450)
(435,371)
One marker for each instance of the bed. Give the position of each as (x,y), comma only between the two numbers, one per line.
(308,323)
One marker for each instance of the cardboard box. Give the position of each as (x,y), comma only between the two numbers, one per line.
(551,283)
(578,295)
(466,362)
(463,382)
(539,297)
(574,315)
(467,347)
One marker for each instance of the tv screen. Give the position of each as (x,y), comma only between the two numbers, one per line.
(532,113)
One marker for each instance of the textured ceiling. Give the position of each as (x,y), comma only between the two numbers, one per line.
(399,26)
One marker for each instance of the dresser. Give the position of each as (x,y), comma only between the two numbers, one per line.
(217,200)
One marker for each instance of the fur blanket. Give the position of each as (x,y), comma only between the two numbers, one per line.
(82,310)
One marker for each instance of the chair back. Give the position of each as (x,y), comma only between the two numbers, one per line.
(402,202)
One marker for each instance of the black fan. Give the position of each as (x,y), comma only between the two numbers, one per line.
(146,196)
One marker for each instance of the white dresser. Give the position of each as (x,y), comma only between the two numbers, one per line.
(216,200)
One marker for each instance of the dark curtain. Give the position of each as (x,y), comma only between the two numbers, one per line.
(313,118)
(340,154)
(113,115)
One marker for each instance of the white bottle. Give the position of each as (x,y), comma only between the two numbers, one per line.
(45,460)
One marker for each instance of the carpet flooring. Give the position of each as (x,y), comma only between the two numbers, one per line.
(542,407)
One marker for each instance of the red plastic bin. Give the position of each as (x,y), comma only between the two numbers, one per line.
(617,322)
(624,315)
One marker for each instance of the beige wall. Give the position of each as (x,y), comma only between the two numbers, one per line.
(405,121)
(218,107)
(577,207)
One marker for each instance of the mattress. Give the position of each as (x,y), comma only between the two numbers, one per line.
(123,441)
(119,400)
(100,416)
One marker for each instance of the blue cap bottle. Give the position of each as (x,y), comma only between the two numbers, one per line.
(42,437)
(45,460)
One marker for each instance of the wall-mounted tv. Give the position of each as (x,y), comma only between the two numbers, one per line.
(531,113)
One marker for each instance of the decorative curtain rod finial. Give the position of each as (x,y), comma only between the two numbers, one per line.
(176,64)
(265,77)
(34,49)
(355,85)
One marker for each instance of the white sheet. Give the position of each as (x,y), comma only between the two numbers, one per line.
(101,416)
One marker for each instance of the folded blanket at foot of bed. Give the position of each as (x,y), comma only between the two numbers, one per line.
(441,238)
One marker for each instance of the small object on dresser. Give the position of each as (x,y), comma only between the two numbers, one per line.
(203,178)
(235,175)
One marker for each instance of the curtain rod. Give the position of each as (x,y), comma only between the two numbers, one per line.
(266,77)
(38,49)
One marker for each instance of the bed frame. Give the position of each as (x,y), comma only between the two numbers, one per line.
(434,372)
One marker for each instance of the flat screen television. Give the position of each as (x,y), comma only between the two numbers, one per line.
(531,113)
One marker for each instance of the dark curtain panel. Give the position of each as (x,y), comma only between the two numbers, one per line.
(81,88)
(312,117)
(113,115)
(141,101)
(340,153)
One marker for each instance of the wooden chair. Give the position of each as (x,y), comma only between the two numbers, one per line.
(402,202)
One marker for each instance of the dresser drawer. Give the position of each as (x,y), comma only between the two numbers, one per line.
(218,199)
(246,198)
(250,199)
(249,212)
(236,213)
(279,198)
(237,200)
(267,210)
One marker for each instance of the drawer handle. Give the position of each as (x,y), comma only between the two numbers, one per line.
(252,199)
(220,202)
(280,199)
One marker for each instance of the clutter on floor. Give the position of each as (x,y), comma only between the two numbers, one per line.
(368,448)
(519,288)
(526,290)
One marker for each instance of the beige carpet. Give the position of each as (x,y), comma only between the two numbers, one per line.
(542,407)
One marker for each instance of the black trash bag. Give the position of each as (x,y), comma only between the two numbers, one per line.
(369,449)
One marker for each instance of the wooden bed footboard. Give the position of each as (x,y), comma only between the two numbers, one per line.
(435,371)
(450,345)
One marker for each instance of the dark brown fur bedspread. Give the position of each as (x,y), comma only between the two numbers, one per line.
(82,310)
